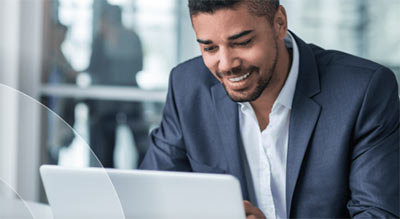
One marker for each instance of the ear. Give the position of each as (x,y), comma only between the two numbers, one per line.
(280,22)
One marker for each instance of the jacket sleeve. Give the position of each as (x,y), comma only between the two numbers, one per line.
(374,173)
(167,149)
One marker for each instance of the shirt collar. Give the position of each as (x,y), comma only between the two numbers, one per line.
(285,97)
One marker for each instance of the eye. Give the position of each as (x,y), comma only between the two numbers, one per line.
(209,48)
(244,43)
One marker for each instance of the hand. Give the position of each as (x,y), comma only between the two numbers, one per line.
(252,212)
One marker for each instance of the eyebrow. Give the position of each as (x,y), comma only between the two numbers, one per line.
(233,37)
(207,42)
(237,36)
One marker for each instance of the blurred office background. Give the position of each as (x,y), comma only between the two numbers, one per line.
(102,66)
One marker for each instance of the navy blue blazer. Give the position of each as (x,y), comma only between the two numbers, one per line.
(343,151)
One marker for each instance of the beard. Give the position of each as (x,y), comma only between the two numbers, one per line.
(252,95)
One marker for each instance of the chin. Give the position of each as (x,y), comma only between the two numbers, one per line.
(250,94)
(244,96)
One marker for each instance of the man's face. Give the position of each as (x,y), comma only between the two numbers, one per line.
(240,49)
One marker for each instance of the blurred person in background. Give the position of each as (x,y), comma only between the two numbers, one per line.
(60,72)
(116,59)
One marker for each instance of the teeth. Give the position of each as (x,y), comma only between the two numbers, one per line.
(240,78)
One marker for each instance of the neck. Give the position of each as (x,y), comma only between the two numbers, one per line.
(263,105)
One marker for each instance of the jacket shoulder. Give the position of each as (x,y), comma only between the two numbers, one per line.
(348,78)
(336,65)
(334,58)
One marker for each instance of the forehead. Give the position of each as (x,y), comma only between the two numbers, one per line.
(225,22)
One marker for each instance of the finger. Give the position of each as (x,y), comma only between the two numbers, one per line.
(248,208)
(251,211)
(247,204)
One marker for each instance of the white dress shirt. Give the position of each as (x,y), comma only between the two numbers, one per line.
(266,150)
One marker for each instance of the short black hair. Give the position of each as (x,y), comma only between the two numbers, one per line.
(257,7)
(112,14)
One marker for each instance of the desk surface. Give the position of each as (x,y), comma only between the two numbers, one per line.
(15,208)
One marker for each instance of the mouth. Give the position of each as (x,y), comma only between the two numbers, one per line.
(240,78)
(241,82)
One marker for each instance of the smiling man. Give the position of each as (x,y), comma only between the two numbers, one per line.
(308,132)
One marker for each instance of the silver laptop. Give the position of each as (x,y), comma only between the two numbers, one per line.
(113,194)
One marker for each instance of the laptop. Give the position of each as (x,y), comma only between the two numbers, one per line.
(110,193)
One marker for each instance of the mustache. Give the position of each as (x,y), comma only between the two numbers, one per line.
(237,71)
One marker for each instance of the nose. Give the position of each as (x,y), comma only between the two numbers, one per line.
(227,61)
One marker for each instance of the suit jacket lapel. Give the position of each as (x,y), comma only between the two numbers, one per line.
(228,122)
(304,116)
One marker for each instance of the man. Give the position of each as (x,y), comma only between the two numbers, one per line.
(309,133)
(116,59)
(60,71)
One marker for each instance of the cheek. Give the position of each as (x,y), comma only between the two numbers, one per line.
(263,56)
(253,57)
(209,61)
(211,64)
